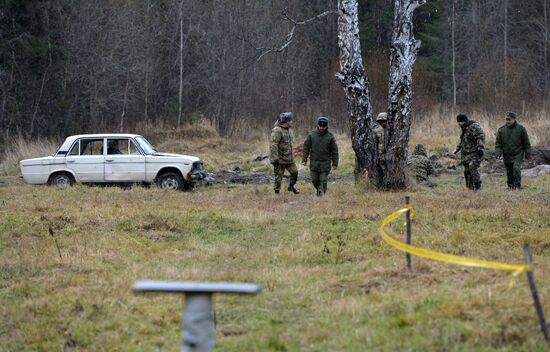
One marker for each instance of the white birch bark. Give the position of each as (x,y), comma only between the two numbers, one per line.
(354,79)
(403,51)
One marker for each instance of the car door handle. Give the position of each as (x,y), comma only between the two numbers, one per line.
(70,161)
(109,160)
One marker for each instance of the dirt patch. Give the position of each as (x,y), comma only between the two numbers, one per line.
(254,178)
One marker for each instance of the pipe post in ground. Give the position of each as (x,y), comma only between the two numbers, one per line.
(535,294)
(199,329)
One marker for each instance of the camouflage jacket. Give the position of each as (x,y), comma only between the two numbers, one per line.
(472,138)
(420,166)
(512,143)
(280,147)
(379,140)
(322,149)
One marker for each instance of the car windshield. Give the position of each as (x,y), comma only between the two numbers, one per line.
(145,145)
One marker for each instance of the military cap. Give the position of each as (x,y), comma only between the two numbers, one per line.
(461,118)
(285,117)
(383,116)
(322,121)
(510,115)
(419,149)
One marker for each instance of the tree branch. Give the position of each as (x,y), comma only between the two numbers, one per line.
(291,34)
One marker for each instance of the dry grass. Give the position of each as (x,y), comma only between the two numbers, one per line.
(329,282)
(18,148)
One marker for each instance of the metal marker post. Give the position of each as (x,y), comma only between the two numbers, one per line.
(408,216)
(535,294)
(199,331)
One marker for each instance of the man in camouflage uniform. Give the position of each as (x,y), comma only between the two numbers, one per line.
(513,145)
(379,130)
(471,148)
(420,165)
(280,152)
(321,145)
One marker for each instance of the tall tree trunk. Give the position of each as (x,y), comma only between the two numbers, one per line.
(403,50)
(180,95)
(124,103)
(453,51)
(505,49)
(545,10)
(353,77)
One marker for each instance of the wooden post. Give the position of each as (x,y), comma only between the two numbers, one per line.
(535,294)
(408,215)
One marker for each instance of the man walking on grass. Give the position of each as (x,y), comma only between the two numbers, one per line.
(280,152)
(471,148)
(320,146)
(512,144)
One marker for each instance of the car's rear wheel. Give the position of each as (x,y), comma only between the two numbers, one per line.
(171,180)
(61,180)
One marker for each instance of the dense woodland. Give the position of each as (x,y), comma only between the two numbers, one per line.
(69,66)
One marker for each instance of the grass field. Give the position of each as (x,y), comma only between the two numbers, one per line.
(329,282)
(69,257)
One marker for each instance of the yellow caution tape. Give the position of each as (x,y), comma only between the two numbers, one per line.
(442,257)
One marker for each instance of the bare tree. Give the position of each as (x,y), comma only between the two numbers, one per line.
(353,77)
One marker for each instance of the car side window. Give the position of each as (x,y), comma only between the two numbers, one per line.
(118,146)
(75,150)
(91,147)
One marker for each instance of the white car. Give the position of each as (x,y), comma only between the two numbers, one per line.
(112,158)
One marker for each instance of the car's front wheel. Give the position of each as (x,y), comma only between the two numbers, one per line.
(171,180)
(61,180)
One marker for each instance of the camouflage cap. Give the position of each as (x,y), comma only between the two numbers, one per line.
(383,116)
(419,149)
(285,117)
(510,115)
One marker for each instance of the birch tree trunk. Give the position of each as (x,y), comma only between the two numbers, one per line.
(403,50)
(354,79)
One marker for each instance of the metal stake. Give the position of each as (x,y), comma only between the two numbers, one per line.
(408,241)
(535,294)
(199,331)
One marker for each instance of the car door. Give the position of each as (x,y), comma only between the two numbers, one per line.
(86,159)
(124,162)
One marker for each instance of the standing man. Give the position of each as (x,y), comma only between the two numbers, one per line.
(471,148)
(280,152)
(321,145)
(379,130)
(513,145)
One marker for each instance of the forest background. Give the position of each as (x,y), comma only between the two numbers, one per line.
(72,66)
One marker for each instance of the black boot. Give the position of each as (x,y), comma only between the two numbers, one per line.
(468,179)
(477,186)
(292,189)
(319,193)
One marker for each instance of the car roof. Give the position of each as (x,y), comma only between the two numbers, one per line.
(104,135)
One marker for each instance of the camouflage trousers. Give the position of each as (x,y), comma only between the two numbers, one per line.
(471,164)
(513,173)
(319,180)
(280,171)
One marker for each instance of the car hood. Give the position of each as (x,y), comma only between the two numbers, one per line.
(173,157)
(37,161)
